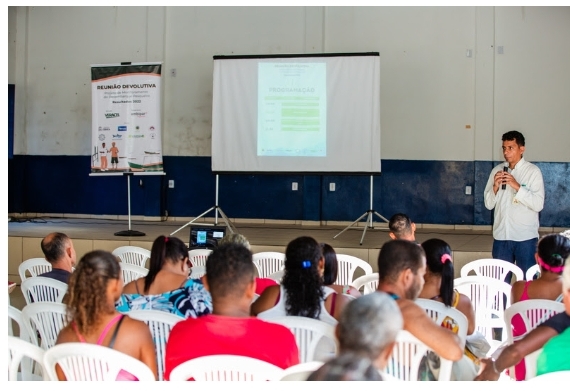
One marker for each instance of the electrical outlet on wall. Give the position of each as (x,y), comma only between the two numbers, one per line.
(171,183)
(295,186)
(332,186)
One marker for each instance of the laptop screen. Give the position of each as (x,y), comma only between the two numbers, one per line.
(205,236)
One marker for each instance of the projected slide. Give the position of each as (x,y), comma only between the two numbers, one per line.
(292,109)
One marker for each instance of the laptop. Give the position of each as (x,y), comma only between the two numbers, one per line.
(205,236)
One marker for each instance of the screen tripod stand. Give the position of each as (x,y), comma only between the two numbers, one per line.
(216,208)
(369,214)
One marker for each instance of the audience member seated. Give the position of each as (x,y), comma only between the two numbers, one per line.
(260,283)
(366,332)
(59,251)
(302,292)
(553,357)
(93,289)
(402,265)
(331,272)
(167,287)
(438,286)
(555,354)
(401,227)
(230,329)
(347,367)
(552,250)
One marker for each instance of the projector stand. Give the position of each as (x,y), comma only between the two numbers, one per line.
(215,208)
(369,213)
(129,232)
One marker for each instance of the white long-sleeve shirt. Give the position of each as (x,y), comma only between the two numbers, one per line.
(516,212)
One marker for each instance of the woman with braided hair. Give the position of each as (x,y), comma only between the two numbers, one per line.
(94,287)
(302,291)
(552,251)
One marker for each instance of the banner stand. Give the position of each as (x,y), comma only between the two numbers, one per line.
(129,232)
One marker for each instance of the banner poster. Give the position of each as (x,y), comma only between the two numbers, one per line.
(126,132)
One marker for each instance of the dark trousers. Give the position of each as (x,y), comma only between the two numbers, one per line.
(519,253)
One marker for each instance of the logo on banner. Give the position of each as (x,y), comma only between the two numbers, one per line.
(117,136)
(104,129)
(122,128)
(151,128)
(101,137)
(139,114)
(111,115)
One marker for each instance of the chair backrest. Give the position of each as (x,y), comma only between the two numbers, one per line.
(132,254)
(347,265)
(199,256)
(132,272)
(15,315)
(277,276)
(268,262)
(369,283)
(490,267)
(20,367)
(310,335)
(160,324)
(197,271)
(44,319)
(531,272)
(301,371)
(34,266)
(489,297)
(36,289)
(533,312)
(439,313)
(89,362)
(226,368)
(405,360)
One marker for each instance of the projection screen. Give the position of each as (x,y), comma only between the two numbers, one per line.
(317,113)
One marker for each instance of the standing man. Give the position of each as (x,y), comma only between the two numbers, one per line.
(515,190)
(114,156)
(103,154)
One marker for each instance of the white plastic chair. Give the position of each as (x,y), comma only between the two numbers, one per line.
(199,256)
(490,267)
(530,364)
(90,362)
(301,371)
(311,335)
(533,312)
(34,266)
(559,377)
(160,324)
(226,368)
(197,271)
(20,354)
(46,320)
(268,262)
(132,254)
(277,276)
(531,272)
(407,355)
(132,272)
(438,312)
(368,281)
(489,297)
(36,289)
(347,265)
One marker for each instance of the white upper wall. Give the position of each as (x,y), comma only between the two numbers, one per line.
(436,102)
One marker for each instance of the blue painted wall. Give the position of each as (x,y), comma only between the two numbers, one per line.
(431,192)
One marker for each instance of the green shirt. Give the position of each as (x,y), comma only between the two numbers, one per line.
(555,355)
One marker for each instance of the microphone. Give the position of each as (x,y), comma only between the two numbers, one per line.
(505,169)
